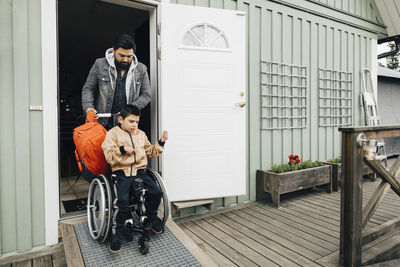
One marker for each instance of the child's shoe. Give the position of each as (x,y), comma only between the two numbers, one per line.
(115,244)
(157,226)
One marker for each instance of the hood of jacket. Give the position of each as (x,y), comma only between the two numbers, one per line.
(110,59)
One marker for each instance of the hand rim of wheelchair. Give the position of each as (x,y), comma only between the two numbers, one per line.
(101,233)
(166,208)
(102,185)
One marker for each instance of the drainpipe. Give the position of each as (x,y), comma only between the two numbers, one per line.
(396,40)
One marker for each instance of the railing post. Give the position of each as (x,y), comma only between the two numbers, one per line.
(351,201)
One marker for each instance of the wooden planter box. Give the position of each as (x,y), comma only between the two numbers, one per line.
(337,173)
(280,183)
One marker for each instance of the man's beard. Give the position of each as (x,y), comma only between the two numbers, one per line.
(120,65)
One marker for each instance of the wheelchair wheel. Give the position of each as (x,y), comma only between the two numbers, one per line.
(163,209)
(143,246)
(99,209)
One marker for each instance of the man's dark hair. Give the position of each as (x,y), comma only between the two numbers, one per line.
(124,41)
(129,110)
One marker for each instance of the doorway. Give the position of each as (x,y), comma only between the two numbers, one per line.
(86,29)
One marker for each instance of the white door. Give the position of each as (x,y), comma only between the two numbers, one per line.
(202,98)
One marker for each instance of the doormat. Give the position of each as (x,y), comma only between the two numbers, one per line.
(75,204)
(165,250)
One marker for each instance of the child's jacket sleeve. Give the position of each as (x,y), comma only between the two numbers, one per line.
(153,151)
(111,149)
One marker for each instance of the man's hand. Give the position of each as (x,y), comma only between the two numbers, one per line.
(164,136)
(129,150)
(95,112)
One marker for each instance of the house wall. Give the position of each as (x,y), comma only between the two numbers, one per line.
(21,135)
(308,34)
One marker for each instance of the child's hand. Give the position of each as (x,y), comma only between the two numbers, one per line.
(164,136)
(129,150)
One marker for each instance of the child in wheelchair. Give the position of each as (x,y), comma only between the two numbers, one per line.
(126,149)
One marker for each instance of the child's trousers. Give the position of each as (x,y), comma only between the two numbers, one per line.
(123,186)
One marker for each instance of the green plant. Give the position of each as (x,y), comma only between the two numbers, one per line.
(294,166)
(335,160)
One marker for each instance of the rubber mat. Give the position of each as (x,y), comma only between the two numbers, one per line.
(165,250)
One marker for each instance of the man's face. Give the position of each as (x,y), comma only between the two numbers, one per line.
(130,123)
(123,57)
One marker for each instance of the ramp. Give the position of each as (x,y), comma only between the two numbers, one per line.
(172,248)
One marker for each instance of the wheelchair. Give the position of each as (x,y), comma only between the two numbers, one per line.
(100,209)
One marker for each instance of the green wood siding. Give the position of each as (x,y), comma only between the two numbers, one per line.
(279,33)
(21,134)
(362,8)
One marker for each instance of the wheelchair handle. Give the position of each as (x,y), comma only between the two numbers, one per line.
(105,115)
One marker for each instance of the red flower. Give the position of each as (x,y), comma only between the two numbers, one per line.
(290,156)
(296,158)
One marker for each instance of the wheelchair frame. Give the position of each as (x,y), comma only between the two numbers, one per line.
(100,212)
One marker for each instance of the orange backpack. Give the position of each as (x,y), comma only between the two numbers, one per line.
(88,139)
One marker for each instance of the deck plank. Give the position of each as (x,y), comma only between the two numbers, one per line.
(44,261)
(257,258)
(256,232)
(236,257)
(312,242)
(304,231)
(216,255)
(27,263)
(258,247)
(255,224)
(310,223)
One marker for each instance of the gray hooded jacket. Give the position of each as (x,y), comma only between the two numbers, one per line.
(98,91)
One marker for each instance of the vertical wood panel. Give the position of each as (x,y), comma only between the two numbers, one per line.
(267,151)
(36,126)
(287,24)
(21,105)
(357,75)
(217,4)
(296,58)
(306,52)
(313,82)
(253,94)
(276,57)
(337,65)
(322,55)
(7,152)
(330,43)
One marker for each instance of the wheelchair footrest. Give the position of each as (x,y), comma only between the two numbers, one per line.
(176,206)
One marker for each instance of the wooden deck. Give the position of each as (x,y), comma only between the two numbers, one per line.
(304,231)
(47,257)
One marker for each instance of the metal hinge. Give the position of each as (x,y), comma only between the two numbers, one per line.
(159,28)
(159,53)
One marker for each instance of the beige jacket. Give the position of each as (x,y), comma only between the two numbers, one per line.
(117,138)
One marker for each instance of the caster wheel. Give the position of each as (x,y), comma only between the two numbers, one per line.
(143,246)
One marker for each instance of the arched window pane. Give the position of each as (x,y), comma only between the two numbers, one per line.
(205,35)
(199,32)
(220,42)
(190,40)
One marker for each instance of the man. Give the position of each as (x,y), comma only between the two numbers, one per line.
(116,80)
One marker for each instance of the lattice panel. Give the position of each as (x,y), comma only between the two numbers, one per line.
(283,96)
(335,98)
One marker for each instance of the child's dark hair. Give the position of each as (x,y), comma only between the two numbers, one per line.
(129,110)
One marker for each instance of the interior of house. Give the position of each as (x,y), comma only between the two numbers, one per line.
(86,29)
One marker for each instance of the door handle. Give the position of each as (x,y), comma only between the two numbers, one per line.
(241,104)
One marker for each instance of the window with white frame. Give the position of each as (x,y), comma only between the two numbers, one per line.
(205,36)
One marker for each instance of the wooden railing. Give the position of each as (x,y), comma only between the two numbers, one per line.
(358,146)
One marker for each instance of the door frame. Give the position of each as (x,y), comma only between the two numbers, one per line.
(49,39)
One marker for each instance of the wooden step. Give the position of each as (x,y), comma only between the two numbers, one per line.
(176,206)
